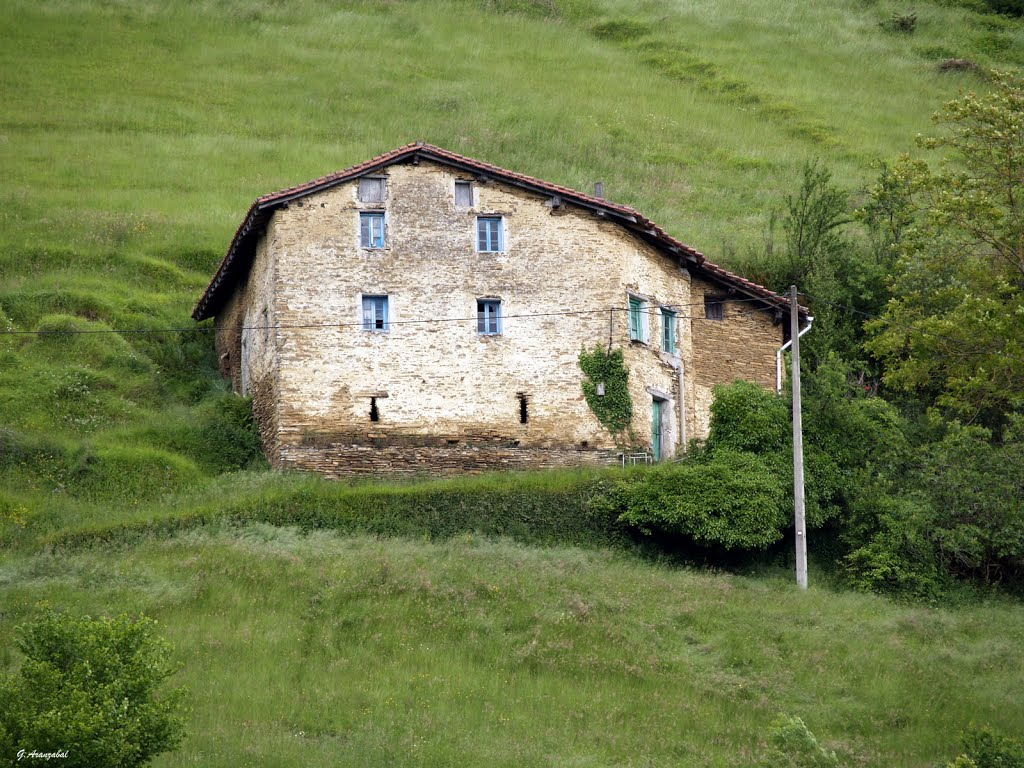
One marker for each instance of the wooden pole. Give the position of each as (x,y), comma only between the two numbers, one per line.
(798,445)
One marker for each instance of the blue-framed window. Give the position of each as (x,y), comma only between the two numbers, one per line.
(488,317)
(668,331)
(488,234)
(375,313)
(371,230)
(636,319)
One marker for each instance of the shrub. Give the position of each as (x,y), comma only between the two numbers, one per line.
(88,688)
(794,746)
(984,748)
(957,513)
(894,553)
(621,30)
(537,508)
(975,487)
(228,438)
(747,417)
(726,498)
(1007,7)
(900,22)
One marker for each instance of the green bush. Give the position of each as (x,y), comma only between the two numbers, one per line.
(227,438)
(726,498)
(747,417)
(984,748)
(895,553)
(900,22)
(1007,7)
(536,508)
(89,689)
(794,746)
(975,487)
(956,512)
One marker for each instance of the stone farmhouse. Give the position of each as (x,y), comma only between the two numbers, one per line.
(425,312)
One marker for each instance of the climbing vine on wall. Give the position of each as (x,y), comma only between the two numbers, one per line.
(614,409)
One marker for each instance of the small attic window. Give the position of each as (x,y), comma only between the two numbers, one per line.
(464,194)
(371,189)
(714,308)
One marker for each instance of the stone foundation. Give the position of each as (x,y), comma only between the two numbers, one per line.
(339,460)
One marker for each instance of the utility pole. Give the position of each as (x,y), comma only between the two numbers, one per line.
(798,445)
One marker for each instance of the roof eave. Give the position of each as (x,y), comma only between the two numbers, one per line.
(262,208)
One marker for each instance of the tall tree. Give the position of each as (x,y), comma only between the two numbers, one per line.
(954,329)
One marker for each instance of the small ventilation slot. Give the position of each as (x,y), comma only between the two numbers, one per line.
(524,408)
(374,413)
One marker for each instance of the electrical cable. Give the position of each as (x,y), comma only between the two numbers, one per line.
(360,323)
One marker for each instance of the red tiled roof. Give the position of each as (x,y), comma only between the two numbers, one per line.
(238,259)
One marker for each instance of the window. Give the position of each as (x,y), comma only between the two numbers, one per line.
(371,230)
(371,189)
(488,317)
(488,234)
(636,319)
(375,313)
(714,308)
(464,194)
(668,331)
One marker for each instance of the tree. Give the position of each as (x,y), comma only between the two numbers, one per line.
(954,330)
(88,689)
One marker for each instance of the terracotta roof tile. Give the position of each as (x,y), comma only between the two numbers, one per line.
(238,258)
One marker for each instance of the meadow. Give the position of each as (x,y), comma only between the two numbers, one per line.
(133,137)
(327,649)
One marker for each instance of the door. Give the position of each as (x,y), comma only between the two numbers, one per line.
(656,429)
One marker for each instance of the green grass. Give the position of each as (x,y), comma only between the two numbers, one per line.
(327,650)
(133,137)
(135,134)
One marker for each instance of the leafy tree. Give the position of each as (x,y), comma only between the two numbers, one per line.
(956,512)
(88,687)
(954,330)
(823,261)
(976,489)
(814,219)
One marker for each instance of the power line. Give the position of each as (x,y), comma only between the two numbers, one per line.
(360,323)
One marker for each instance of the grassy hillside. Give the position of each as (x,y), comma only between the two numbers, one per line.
(133,136)
(324,651)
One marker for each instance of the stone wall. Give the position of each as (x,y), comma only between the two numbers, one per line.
(247,341)
(741,346)
(432,375)
(431,394)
